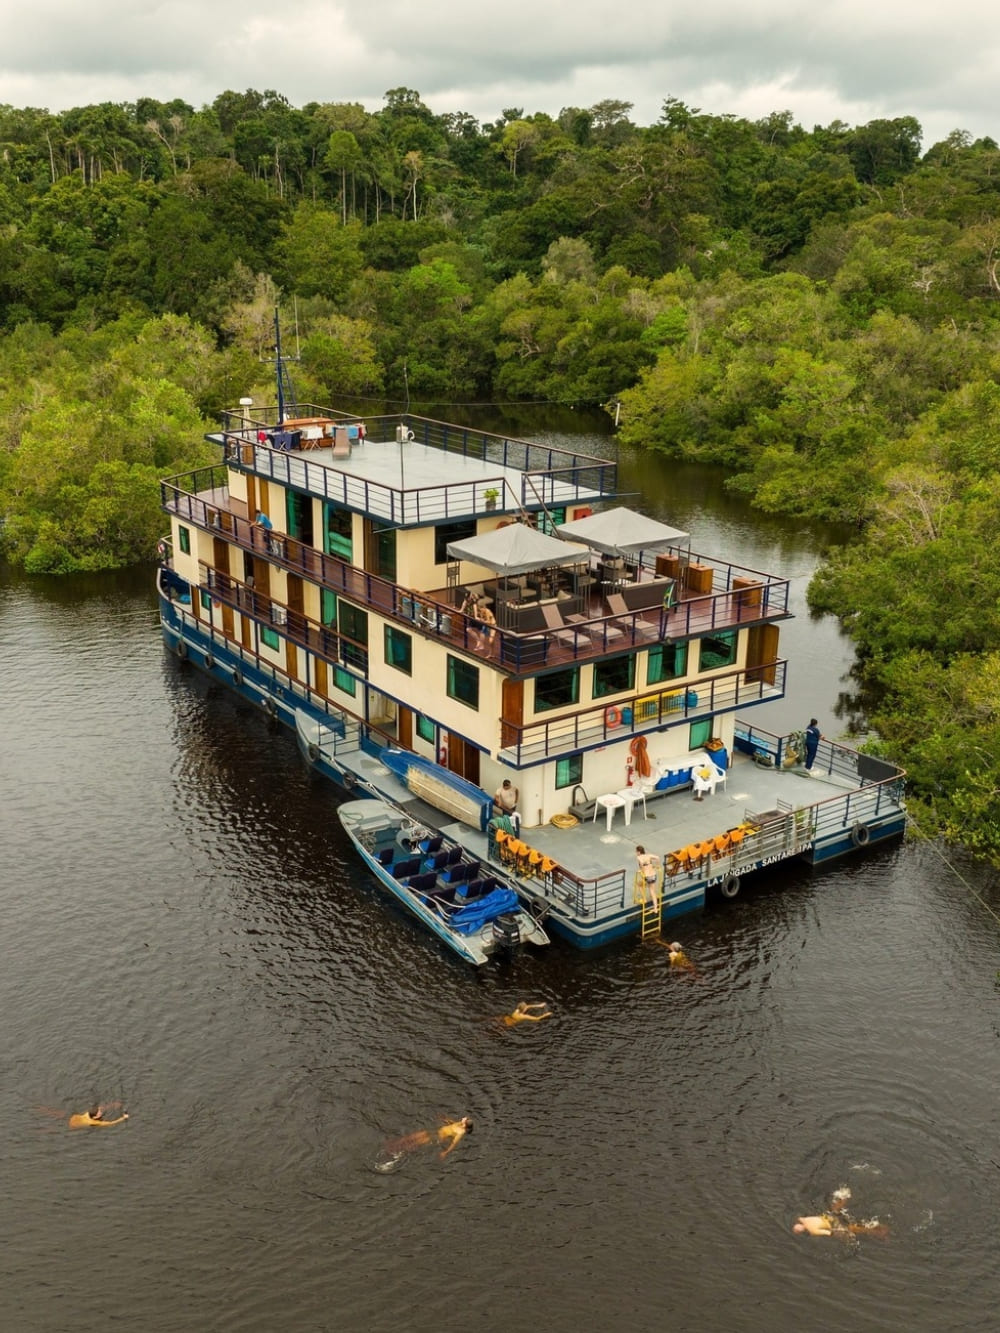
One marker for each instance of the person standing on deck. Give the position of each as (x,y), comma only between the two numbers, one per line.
(505,800)
(813,737)
(649,870)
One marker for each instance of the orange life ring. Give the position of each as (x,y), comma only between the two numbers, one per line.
(612,717)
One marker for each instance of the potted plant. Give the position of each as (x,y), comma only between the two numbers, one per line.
(491,495)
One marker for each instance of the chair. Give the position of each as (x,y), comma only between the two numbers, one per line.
(556,624)
(634,624)
(597,629)
(341,446)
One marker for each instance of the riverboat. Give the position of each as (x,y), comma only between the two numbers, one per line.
(608,669)
(474,909)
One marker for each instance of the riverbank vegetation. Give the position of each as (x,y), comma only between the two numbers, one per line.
(817,310)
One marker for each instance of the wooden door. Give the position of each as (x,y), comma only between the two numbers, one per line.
(762,653)
(319,677)
(512,714)
(404,727)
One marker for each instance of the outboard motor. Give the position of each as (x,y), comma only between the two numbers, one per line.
(506,931)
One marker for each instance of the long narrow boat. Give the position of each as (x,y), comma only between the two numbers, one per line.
(472,909)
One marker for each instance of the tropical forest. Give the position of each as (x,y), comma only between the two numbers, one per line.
(815,311)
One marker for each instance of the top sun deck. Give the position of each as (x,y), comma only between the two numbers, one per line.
(413,471)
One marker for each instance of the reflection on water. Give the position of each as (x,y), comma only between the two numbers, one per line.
(186,930)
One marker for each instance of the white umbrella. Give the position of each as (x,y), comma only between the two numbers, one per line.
(623,532)
(517,549)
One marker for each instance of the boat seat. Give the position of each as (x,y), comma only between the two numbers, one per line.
(424,883)
(456,874)
(404,869)
(384,857)
(431,845)
(436,862)
(474,889)
(454,855)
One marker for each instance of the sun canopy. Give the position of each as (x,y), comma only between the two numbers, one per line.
(517,549)
(623,532)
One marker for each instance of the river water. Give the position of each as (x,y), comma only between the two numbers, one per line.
(186,931)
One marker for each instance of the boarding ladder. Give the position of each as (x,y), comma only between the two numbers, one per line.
(651,921)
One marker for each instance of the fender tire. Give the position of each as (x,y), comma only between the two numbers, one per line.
(209,661)
(861,835)
(181,650)
(349,780)
(730,886)
(313,753)
(270,707)
(237,677)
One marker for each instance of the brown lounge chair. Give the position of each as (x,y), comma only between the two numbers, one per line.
(598,629)
(556,624)
(630,621)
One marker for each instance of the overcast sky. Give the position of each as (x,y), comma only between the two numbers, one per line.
(852,60)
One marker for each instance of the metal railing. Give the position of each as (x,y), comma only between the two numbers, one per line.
(653,710)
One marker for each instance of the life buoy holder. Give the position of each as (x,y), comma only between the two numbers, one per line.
(861,835)
(209,661)
(182,649)
(237,677)
(313,753)
(730,886)
(612,717)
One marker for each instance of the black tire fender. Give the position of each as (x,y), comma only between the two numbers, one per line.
(730,886)
(237,677)
(313,753)
(349,780)
(181,650)
(209,661)
(861,835)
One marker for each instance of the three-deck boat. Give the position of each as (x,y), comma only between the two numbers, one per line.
(613,671)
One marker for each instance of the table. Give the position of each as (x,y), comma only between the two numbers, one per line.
(610,804)
(630,795)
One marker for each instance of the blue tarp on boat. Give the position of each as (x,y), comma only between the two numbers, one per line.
(473,916)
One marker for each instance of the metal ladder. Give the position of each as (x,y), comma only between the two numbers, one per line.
(651,921)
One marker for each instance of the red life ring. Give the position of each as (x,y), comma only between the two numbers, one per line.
(612,717)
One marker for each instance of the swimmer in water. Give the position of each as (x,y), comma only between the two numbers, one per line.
(522,1014)
(837,1221)
(95,1117)
(454,1130)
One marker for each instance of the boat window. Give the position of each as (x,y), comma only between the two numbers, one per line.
(557,689)
(269,637)
(666,661)
(717,650)
(344,681)
(699,733)
(352,622)
(451,532)
(339,532)
(614,675)
(569,771)
(425,728)
(184,539)
(398,650)
(463,681)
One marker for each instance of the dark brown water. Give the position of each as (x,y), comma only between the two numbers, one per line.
(185,929)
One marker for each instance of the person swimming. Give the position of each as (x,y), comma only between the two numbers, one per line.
(451,1133)
(522,1014)
(95,1117)
(837,1221)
